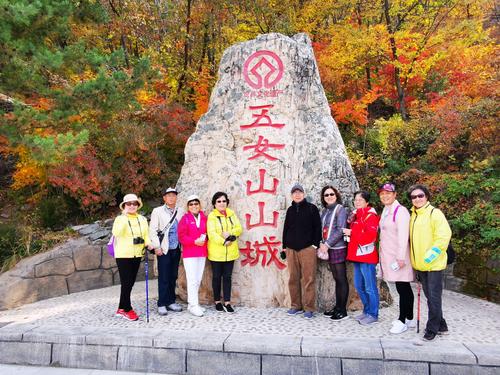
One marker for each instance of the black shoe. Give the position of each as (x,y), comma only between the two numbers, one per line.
(228,308)
(443,328)
(219,307)
(338,316)
(443,331)
(429,336)
(331,312)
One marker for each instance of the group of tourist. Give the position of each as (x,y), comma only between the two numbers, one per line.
(171,229)
(406,243)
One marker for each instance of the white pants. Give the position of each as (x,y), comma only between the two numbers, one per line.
(194,272)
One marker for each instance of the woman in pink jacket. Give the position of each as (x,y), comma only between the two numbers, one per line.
(192,231)
(395,254)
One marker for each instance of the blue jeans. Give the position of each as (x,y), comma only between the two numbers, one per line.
(365,282)
(168,267)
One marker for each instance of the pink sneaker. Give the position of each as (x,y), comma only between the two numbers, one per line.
(119,313)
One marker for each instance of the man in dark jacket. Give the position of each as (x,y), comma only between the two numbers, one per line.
(301,238)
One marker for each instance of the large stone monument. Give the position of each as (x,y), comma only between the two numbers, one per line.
(268,126)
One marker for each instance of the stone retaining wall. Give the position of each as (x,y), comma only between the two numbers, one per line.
(192,352)
(78,264)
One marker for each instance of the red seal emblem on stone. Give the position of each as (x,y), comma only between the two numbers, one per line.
(263,69)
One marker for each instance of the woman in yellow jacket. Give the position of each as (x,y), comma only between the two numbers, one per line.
(130,231)
(223,229)
(430,235)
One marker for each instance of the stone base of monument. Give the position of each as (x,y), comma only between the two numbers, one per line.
(206,353)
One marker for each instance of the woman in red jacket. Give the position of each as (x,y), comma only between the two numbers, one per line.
(363,253)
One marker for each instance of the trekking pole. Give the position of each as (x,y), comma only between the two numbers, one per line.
(418,307)
(146,271)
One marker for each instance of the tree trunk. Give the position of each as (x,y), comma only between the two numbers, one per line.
(397,80)
(185,64)
(125,52)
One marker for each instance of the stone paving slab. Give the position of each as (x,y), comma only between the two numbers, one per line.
(151,359)
(342,348)
(28,353)
(286,365)
(123,336)
(251,343)
(195,340)
(435,351)
(58,334)
(84,356)
(488,355)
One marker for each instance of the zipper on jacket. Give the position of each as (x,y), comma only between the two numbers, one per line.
(226,245)
(413,235)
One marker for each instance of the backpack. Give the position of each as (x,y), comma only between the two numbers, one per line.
(450,252)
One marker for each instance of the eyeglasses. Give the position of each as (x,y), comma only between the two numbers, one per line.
(132,204)
(193,204)
(329,195)
(224,201)
(417,196)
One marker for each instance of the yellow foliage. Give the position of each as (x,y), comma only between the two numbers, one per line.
(28,171)
(145,97)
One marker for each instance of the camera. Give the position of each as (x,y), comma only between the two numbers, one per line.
(138,240)
(230,238)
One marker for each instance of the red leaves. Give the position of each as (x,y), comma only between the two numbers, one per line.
(86,179)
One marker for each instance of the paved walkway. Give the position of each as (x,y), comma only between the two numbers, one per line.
(470,320)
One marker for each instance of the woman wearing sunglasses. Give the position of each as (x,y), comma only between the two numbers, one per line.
(192,231)
(430,235)
(223,229)
(131,237)
(333,220)
(395,254)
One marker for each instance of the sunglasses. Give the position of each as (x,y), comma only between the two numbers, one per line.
(417,196)
(329,195)
(193,204)
(224,201)
(132,204)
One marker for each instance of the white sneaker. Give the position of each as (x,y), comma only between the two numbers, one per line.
(196,310)
(162,310)
(398,327)
(174,307)
(411,323)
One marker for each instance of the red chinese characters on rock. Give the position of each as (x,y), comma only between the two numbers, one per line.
(260,149)
(261,189)
(261,119)
(262,71)
(265,252)
(261,222)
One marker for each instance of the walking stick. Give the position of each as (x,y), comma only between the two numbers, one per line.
(146,271)
(418,307)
